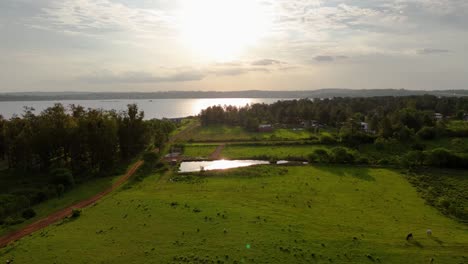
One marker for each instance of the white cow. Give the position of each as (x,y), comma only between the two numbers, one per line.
(429,232)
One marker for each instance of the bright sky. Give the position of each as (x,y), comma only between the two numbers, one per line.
(154,45)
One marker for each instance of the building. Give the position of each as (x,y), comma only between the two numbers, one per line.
(438,116)
(265,128)
(365,126)
(310,123)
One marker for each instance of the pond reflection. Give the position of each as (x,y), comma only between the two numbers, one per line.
(194,166)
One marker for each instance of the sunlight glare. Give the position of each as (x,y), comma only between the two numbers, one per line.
(222,29)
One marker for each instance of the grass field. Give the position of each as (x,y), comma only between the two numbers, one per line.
(268,151)
(221,133)
(199,151)
(79,193)
(265,214)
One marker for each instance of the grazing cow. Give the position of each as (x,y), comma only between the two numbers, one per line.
(409,236)
(429,232)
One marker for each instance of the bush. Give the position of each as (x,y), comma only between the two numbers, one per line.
(76,213)
(63,176)
(9,221)
(380,143)
(342,155)
(28,213)
(151,159)
(362,160)
(441,157)
(319,156)
(413,158)
(327,139)
(427,133)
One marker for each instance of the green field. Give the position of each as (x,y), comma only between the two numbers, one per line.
(199,151)
(269,151)
(222,133)
(77,194)
(265,214)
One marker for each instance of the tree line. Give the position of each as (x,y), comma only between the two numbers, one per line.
(385,115)
(62,144)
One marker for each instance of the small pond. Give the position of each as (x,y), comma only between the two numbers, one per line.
(194,166)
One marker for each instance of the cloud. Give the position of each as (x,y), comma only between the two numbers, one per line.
(140,77)
(266,62)
(428,51)
(328,58)
(324,58)
(96,17)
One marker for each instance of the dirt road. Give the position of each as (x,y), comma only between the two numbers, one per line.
(217,153)
(63,213)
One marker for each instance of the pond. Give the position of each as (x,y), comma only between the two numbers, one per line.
(194,166)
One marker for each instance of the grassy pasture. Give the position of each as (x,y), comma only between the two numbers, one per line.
(199,150)
(264,214)
(221,133)
(269,151)
(78,193)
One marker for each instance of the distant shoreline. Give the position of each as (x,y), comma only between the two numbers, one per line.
(323,93)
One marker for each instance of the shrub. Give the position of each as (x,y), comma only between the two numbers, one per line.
(362,160)
(319,156)
(413,158)
(427,133)
(13,221)
(76,213)
(342,155)
(63,176)
(151,159)
(60,190)
(327,139)
(28,213)
(380,143)
(441,157)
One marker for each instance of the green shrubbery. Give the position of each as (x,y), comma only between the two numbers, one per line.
(339,155)
(63,176)
(28,213)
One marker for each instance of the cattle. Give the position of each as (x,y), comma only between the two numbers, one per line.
(429,232)
(409,236)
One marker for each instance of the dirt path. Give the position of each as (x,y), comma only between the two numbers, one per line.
(63,213)
(217,153)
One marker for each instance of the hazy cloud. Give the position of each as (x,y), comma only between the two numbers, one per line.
(432,51)
(266,62)
(63,39)
(136,77)
(324,58)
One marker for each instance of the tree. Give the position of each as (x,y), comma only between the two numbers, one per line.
(132,131)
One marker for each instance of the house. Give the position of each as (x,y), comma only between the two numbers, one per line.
(438,116)
(309,123)
(176,120)
(465,117)
(365,126)
(265,128)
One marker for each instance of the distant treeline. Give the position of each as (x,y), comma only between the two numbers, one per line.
(360,121)
(47,154)
(385,115)
(83,140)
(322,93)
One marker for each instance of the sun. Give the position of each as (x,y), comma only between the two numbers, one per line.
(222,30)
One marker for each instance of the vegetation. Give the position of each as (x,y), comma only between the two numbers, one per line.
(226,133)
(264,214)
(444,189)
(54,150)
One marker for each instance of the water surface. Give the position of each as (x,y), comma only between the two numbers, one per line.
(194,166)
(153,108)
